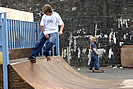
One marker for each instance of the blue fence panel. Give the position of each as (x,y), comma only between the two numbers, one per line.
(22,34)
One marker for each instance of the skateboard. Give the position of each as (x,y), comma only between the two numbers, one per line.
(97,71)
(48,58)
(32,60)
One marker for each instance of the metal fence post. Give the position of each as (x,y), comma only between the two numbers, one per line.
(5,51)
(57,46)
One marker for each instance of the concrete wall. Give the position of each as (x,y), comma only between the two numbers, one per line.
(110,20)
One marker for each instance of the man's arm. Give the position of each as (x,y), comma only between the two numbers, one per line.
(43,30)
(61,29)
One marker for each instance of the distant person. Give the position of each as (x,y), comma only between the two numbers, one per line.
(49,26)
(94,54)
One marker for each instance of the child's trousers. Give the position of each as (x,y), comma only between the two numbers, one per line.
(94,60)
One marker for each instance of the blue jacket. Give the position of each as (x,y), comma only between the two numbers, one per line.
(93,45)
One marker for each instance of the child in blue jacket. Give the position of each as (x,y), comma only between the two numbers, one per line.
(94,54)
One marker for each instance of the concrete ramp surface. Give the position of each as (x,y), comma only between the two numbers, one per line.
(57,74)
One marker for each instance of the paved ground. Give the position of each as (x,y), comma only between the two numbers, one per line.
(126,74)
(110,73)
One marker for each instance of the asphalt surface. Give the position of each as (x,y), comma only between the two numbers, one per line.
(109,73)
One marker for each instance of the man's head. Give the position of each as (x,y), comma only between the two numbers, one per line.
(47,9)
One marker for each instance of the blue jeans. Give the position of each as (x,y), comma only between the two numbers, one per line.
(42,39)
(94,59)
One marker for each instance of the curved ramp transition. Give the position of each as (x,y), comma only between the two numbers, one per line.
(57,74)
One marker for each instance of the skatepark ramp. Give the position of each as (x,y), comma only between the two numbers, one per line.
(57,74)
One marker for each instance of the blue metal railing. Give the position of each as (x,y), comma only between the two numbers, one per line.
(22,34)
(16,34)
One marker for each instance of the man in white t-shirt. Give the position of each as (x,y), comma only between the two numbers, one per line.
(49,26)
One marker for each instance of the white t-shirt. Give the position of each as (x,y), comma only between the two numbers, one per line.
(50,23)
